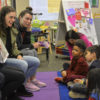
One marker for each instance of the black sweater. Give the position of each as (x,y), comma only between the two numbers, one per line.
(23,37)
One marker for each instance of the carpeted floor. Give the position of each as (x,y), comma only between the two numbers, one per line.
(53,90)
(50,92)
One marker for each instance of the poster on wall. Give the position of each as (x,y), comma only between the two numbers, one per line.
(42,7)
(79,18)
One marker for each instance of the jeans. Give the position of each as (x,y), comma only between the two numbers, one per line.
(28,65)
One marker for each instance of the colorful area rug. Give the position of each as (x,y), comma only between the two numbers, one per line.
(63,91)
(53,91)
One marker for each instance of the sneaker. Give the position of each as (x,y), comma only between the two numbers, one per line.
(70,85)
(58,79)
(76,95)
(38,83)
(31,87)
(21,91)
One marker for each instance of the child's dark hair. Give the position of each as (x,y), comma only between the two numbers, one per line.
(94,81)
(80,43)
(96,49)
(25,12)
(71,34)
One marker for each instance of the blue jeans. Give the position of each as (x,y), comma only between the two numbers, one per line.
(28,65)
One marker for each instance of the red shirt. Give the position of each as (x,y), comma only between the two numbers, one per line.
(91,98)
(78,68)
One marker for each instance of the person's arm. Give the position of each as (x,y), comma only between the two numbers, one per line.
(15,51)
(85,39)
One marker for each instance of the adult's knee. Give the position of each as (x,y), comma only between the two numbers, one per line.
(23,66)
(37,61)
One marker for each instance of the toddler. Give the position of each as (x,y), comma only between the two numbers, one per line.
(78,67)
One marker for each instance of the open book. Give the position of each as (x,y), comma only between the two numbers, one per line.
(3,52)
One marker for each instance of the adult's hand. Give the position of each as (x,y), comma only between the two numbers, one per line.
(28,28)
(36,45)
(20,57)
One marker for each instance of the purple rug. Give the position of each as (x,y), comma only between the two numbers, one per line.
(51,92)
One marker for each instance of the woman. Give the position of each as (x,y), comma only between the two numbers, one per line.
(15,60)
(8,35)
(71,37)
(24,34)
(24,42)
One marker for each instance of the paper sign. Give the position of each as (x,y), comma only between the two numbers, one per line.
(90,20)
(86,5)
(85,13)
(70,12)
(78,15)
(3,52)
(72,19)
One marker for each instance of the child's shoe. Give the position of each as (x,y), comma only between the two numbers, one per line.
(76,95)
(38,83)
(58,79)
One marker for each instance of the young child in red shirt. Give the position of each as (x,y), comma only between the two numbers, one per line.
(78,67)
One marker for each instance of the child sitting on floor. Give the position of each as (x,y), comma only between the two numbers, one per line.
(78,67)
(93,84)
(78,86)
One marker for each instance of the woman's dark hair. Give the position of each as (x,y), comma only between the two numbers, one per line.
(94,81)
(29,8)
(71,34)
(25,12)
(94,49)
(3,12)
(80,43)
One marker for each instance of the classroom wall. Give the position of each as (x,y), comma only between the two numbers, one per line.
(9,2)
(21,5)
(96,10)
